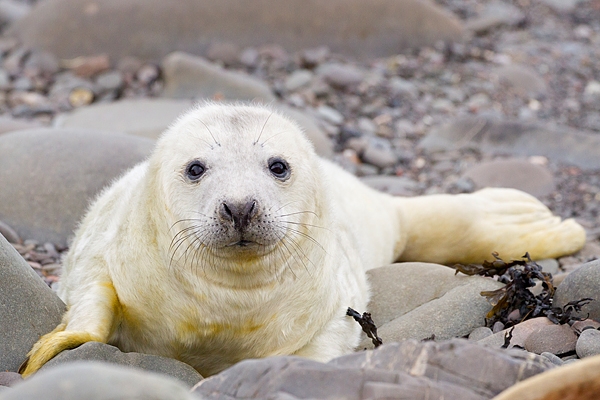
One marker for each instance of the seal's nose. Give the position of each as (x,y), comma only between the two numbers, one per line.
(240,213)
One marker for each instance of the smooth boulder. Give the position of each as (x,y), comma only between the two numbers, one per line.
(559,143)
(49,176)
(94,351)
(140,117)
(97,381)
(512,173)
(28,308)
(150,29)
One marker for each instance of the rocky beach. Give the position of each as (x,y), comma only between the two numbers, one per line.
(414,97)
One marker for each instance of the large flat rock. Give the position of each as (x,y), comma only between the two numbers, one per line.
(559,143)
(140,117)
(49,176)
(150,29)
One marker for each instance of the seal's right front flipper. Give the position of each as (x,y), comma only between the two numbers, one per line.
(90,320)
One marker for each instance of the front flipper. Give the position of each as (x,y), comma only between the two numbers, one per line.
(467,228)
(90,319)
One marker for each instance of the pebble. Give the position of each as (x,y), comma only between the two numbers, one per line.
(330,115)
(341,75)
(555,339)
(249,57)
(378,154)
(42,62)
(588,343)
(480,333)
(553,358)
(110,80)
(87,67)
(298,79)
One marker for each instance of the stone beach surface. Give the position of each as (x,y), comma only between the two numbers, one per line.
(414,97)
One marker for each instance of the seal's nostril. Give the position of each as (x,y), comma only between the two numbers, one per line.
(227,211)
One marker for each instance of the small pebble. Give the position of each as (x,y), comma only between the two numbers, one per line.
(553,358)
(498,326)
(480,333)
(588,343)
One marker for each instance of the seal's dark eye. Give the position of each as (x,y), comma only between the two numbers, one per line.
(195,170)
(279,168)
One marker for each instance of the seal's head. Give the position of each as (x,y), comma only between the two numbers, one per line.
(239,185)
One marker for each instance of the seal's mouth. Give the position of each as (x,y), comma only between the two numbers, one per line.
(242,243)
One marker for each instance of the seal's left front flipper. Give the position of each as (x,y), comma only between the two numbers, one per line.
(467,228)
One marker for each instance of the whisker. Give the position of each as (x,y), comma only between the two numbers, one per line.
(209,131)
(263,128)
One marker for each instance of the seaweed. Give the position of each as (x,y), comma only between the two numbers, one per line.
(367,325)
(514,302)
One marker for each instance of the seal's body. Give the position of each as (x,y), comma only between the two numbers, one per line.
(234,240)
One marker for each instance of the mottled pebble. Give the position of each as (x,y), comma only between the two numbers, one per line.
(555,339)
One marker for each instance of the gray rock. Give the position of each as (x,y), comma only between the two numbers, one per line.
(97,381)
(562,6)
(11,10)
(588,343)
(399,288)
(140,117)
(407,370)
(581,283)
(28,308)
(50,175)
(480,333)
(549,265)
(42,62)
(94,351)
(341,75)
(298,79)
(522,79)
(557,142)
(330,115)
(9,124)
(455,314)
(151,29)
(555,339)
(10,378)
(190,77)
(553,358)
(394,185)
(110,80)
(379,155)
(456,361)
(494,14)
(512,173)
(402,87)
